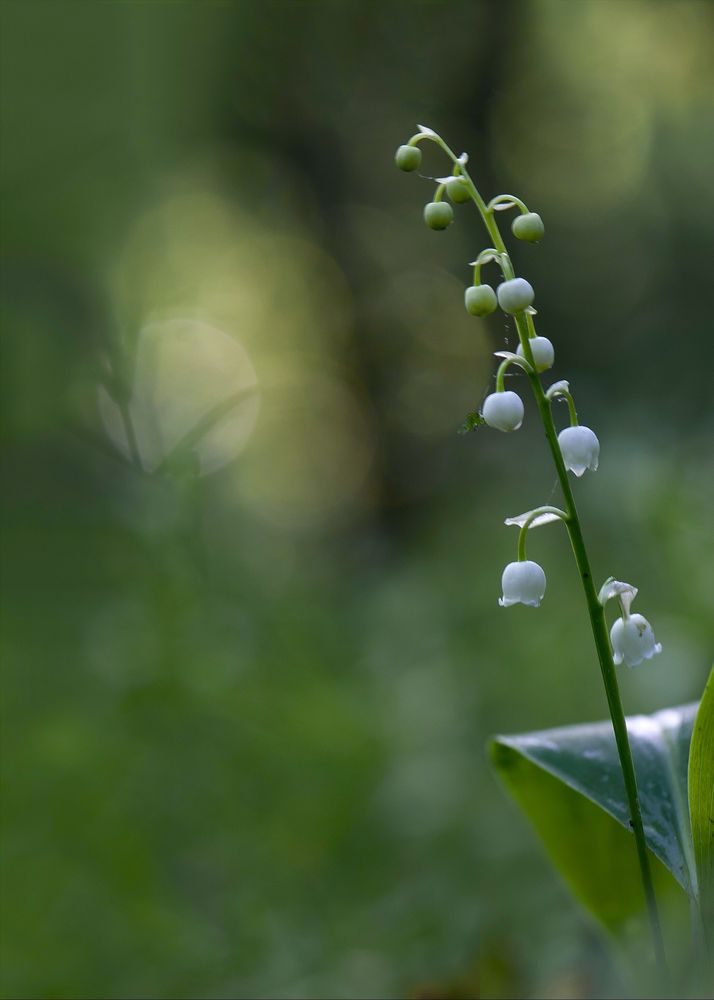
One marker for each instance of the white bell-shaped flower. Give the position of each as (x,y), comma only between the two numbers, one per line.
(580,448)
(503,410)
(633,640)
(543,352)
(522,583)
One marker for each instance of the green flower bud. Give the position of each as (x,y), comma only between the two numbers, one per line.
(480,300)
(528,227)
(408,157)
(458,192)
(438,214)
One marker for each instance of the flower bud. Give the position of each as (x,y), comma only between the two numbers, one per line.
(408,158)
(522,583)
(503,410)
(458,192)
(580,448)
(438,214)
(543,352)
(528,227)
(480,300)
(633,640)
(515,295)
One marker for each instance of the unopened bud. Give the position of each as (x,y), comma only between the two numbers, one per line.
(543,352)
(458,192)
(480,300)
(528,227)
(438,214)
(408,158)
(515,295)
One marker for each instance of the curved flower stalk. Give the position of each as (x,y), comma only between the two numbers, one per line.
(579,445)
(576,449)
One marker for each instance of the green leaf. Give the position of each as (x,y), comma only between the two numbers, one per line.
(701,804)
(569,783)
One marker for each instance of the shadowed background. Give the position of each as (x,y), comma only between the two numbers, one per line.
(248,684)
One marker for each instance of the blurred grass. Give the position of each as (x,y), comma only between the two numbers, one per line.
(244,719)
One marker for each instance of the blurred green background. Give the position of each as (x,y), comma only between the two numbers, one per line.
(247,695)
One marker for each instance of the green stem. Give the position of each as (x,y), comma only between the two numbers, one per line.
(501,198)
(500,372)
(545,509)
(607,668)
(522,544)
(564,394)
(486,256)
(595,609)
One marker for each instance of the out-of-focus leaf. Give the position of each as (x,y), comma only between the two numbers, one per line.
(194,390)
(701,804)
(569,783)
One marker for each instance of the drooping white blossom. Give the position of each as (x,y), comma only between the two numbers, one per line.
(503,410)
(522,583)
(633,640)
(580,448)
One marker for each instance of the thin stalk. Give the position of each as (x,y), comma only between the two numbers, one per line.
(500,373)
(545,509)
(595,609)
(564,394)
(607,668)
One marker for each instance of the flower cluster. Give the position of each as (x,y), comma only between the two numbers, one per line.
(575,448)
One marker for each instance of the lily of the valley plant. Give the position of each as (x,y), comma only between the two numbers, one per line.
(574,449)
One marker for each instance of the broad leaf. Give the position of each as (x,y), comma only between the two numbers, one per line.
(569,783)
(701,804)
